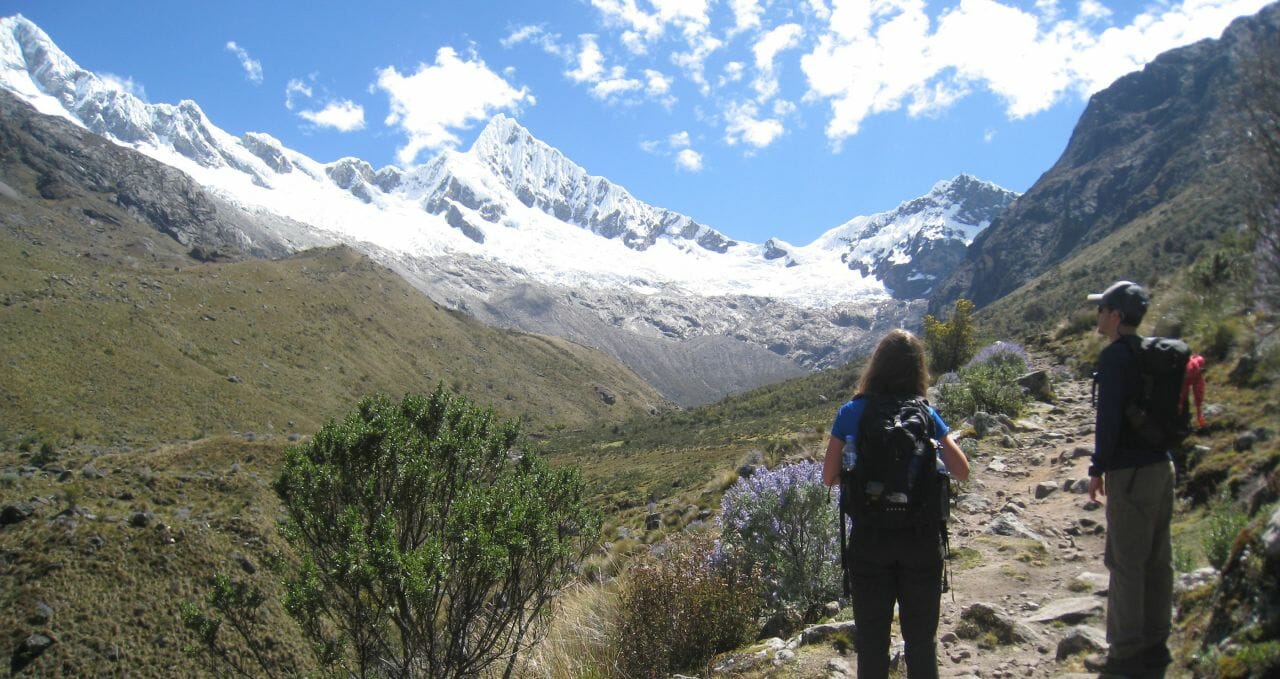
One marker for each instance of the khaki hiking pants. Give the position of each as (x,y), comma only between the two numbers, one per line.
(1140,558)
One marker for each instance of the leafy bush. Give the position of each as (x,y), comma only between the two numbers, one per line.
(430,545)
(987,383)
(682,607)
(785,523)
(1225,523)
(950,343)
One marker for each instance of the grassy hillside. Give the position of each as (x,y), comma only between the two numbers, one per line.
(114,353)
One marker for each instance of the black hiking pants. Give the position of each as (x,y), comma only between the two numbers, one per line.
(903,567)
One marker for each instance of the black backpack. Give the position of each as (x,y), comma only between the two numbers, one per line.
(896,484)
(1156,414)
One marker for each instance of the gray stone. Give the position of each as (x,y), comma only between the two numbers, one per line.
(1009,525)
(16,513)
(821,633)
(970,503)
(1036,384)
(1071,610)
(1185,582)
(984,424)
(244,563)
(41,614)
(653,521)
(1098,583)
(1271,537)
(1045,489)
(979,619)
(141,519)
(91,472)
(1091,506)
(28,651)
(1081,640)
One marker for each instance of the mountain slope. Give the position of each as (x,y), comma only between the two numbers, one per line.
(1151,170)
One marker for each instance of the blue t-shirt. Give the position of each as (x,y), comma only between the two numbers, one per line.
(850,416)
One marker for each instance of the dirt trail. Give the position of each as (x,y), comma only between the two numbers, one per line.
(1027,542)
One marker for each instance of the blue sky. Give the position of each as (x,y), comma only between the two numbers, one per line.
(759,118)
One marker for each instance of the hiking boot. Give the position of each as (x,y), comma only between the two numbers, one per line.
(1109,667)
(1157,657)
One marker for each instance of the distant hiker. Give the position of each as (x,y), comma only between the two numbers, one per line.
(895,554)
(1135,473)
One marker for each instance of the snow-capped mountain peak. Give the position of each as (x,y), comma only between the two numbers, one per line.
(510,198)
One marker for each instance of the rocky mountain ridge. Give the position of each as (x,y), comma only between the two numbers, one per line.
(517,234)
(1153,165)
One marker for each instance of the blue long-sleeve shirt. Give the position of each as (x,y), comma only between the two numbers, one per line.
(1115,446)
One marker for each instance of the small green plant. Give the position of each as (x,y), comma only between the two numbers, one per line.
(988,383)
(1184,558)
(950,343)
(682,607)
(1225,522)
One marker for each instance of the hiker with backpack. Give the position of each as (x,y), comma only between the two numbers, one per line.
(888,449)
(1138,386)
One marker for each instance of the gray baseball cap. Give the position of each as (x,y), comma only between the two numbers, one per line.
(1125,296)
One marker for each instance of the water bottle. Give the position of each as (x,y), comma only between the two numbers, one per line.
(849,457)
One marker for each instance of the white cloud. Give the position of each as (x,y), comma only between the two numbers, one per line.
(1092,9)
(123,84)
(690,160)
(677,145)
(590,61)
(537,35)
(690,17)
(656,83)
(877,57)
(252,67)
(746,15)
(344,116)
(744,126)
(989,136)
(766,50)
(450,94)
(732,73)
(294,90)
(694,61)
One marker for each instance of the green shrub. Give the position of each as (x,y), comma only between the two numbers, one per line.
(988,384)
(682,607)
(1224,525)
(431,543)
(950,343)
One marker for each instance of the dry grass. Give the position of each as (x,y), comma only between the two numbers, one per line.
(578,644)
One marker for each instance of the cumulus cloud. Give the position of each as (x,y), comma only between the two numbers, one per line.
(766,50)
(679,147)
(450,94)
(745,126)
(344,116)
(252,67)
(871,58)
(746,15)
(590,61)
(690,160)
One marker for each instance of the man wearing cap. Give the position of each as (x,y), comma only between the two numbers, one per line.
(1137,483)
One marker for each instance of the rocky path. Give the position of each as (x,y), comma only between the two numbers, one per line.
(1028,592)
